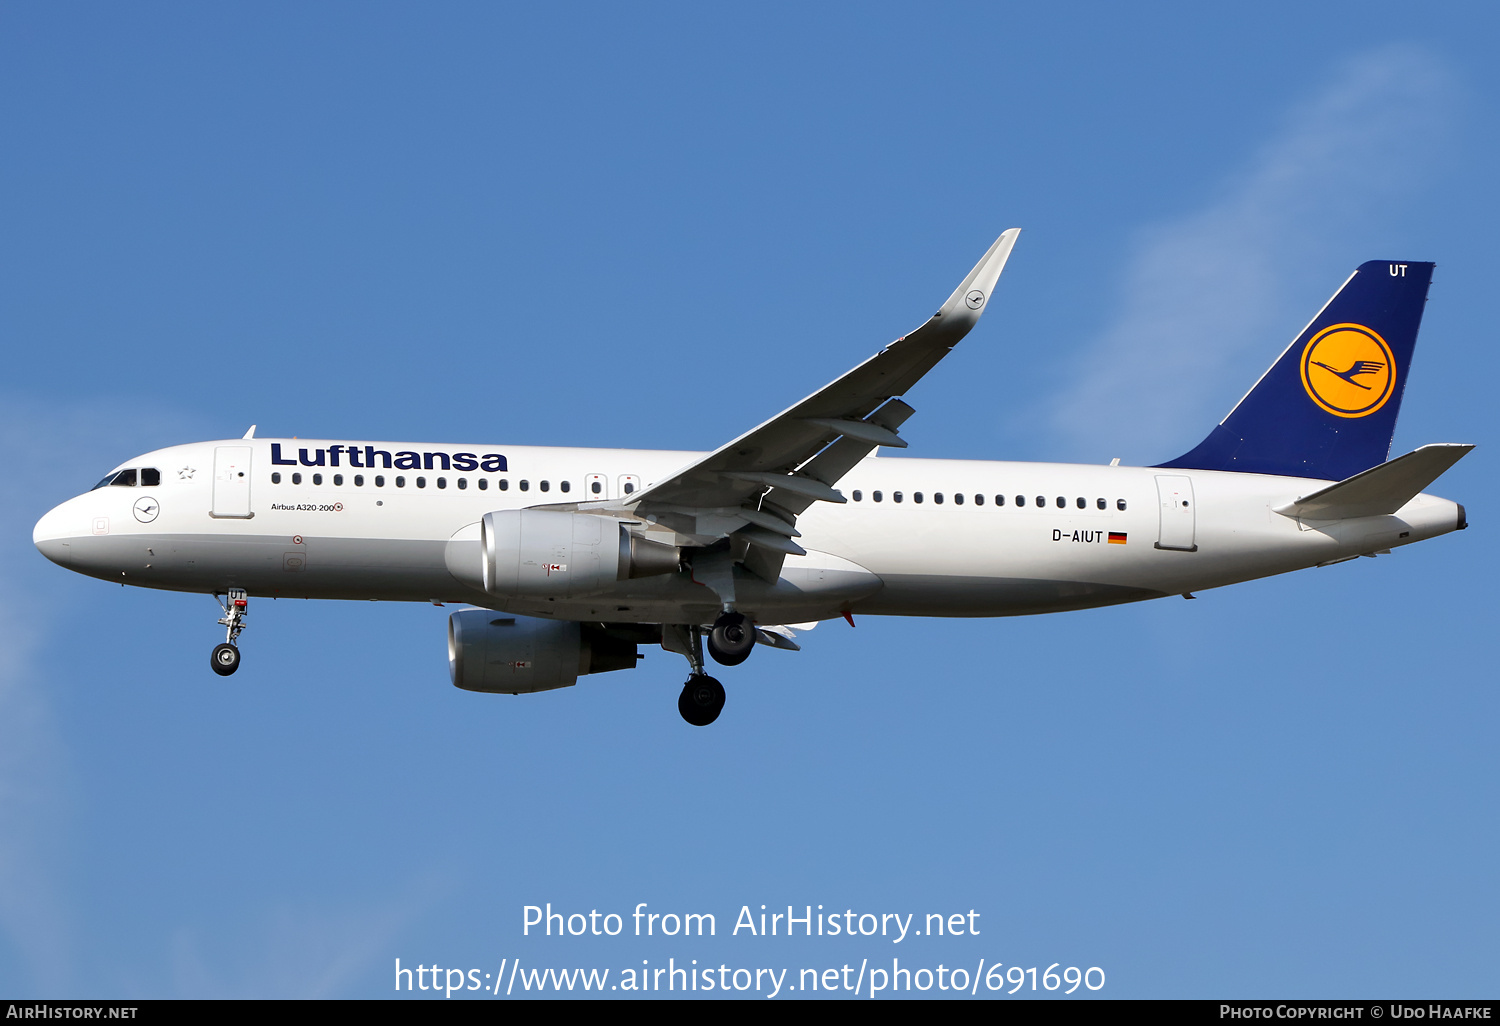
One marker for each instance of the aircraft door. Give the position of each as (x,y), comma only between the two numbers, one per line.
(629,484)
(1178,513)
(595,487)
(232,482)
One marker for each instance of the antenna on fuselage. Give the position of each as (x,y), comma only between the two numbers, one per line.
(251,432)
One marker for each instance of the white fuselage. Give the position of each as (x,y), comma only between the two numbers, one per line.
(936,543)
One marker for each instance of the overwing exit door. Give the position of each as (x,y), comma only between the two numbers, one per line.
(1178,513)
(232,482)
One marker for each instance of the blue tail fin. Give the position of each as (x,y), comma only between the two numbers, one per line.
(1327,407)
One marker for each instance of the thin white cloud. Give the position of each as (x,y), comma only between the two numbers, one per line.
(303,952)
(59,451)
(1206,298)
(32,796)
(55,452)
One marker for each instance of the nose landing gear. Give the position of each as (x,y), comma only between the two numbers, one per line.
(226,657)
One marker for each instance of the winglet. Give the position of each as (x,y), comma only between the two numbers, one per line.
(969,299)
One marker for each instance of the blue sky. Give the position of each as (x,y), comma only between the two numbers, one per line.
(654,227)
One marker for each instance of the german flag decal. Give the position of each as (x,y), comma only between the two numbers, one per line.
(1117,537)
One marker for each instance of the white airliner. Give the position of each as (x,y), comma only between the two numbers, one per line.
(575,557)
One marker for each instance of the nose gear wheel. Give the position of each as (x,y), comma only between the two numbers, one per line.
(226,657)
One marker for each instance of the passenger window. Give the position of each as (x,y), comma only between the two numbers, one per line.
(442,482)
(359,480)
(1062,502)
(1120,505)
(546,486)
(916,496)
(877,496)
(858,495)
(379,480)
(1020,500)
(150,477)
(504,484)
(296,478)
(895,496)
(958,498)
(463,483)
(979,500)
(999,500)
(937,497)
(317,479)
(629,487)
(566,486)
(276,477)
(483,484)
(421,482)
(1041,502)
(1083,503)
(400,481)
(125,478)
(596,487)
(1101,503)
(525,486)
(338,480)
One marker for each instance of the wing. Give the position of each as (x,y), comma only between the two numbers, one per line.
(752,489)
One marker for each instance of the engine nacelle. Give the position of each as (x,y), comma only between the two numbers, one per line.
(538,553)
(516,655)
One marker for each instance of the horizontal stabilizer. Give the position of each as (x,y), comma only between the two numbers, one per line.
(1379,490)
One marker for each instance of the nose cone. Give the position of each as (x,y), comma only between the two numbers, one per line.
(54,533)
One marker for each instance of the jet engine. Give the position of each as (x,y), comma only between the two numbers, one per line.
(535,553)
(513,655)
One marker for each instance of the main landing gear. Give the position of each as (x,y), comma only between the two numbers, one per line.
(702,697)
(226,657)
(731,639)
(702,700)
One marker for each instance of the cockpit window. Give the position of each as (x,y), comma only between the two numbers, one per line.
(150,477)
